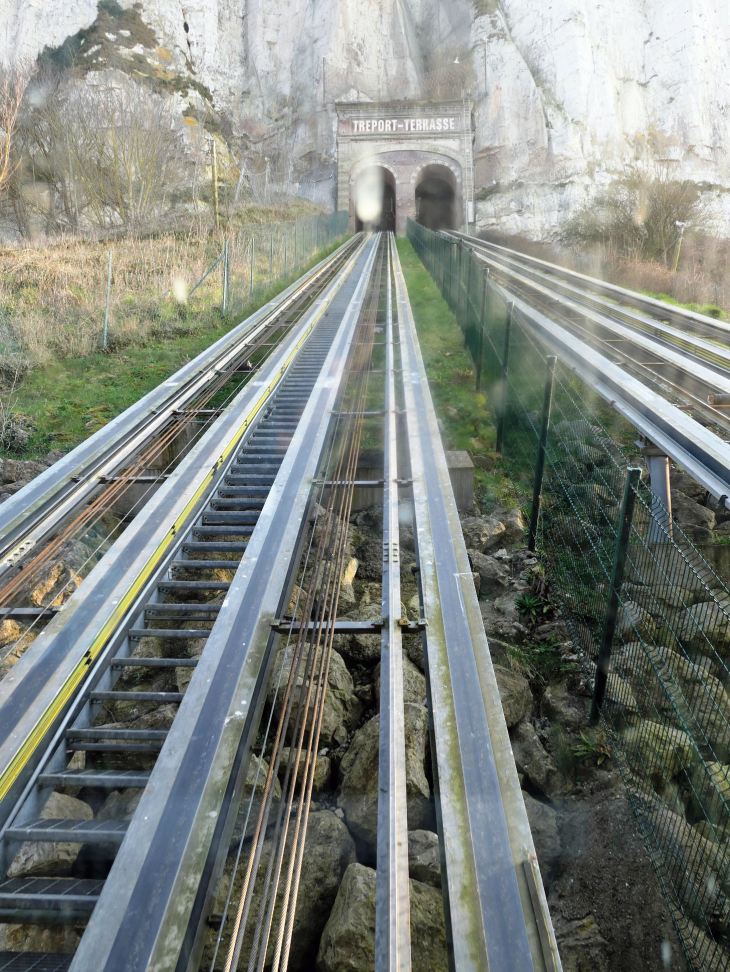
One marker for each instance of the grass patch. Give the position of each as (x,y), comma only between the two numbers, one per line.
(66,399)
(463,412)
(709,310)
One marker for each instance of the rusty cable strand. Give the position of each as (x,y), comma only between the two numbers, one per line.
(236,940)
(343,504)
(255,853)
(291,890)
(52,553)
(238,931)
(334,571)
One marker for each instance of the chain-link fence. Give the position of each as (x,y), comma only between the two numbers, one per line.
(257,256)
(640,602)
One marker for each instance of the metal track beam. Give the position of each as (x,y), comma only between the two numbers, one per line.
(484,832)
(144,910)
(42,684)
(27,517)
(392,895)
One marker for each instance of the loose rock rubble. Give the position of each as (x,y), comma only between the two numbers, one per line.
(598,878)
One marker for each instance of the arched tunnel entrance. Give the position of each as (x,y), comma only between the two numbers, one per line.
(436,198)
(375,199)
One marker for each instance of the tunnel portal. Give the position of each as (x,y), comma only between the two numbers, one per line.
(374,199)
(401,160)
(436,198)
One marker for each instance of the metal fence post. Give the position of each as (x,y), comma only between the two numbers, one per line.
(271,258)
(505,369)
(224,301)
(467,296)
(253,254)
(633,475)
(450,299)
(286,272)
(480,343)
(108,295)
(540,464)
(295,244)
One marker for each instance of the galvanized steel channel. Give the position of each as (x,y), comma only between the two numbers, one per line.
(392,897)
(484,833)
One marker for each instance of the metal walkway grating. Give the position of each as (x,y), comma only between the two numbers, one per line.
(35,961)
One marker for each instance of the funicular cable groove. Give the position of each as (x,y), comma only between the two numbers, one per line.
(330,552)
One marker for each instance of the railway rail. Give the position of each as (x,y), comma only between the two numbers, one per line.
(185,618)
(671,383)
(684,354)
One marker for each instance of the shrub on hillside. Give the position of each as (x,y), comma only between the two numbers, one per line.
(641,215)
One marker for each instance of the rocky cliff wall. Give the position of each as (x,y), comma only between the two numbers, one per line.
(565,93)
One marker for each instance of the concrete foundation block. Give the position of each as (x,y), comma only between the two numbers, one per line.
(461,470)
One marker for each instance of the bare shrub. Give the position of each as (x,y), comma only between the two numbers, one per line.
(42,182)
(109,155)
(641,215)
(12,88)
(128,151)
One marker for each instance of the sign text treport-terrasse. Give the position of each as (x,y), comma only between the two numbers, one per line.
(372,126)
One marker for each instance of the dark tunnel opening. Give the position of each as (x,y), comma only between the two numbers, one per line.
(436,202)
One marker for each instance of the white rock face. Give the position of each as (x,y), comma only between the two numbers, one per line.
(565,93)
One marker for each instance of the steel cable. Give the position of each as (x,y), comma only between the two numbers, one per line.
(333,541)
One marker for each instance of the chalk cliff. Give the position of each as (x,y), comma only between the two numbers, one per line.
(565,92)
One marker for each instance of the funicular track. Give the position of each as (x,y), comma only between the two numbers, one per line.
(39,526)
(682,354)
(182,621)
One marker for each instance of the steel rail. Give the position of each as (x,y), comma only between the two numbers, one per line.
(603,330)
(486,843)
(35,695)
(657,309)
(392,894)
(698,450)
(149,897)
(34,511)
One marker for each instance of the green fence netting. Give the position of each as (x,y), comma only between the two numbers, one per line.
(667,706)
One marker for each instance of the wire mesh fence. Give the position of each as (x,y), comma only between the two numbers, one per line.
(660,634)
(256,257)
(260,255)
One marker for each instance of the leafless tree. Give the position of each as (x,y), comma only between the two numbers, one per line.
(127,151)
(12,88)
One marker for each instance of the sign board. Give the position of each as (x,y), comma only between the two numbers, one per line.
(389,126)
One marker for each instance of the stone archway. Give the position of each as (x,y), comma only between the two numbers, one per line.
(418,144)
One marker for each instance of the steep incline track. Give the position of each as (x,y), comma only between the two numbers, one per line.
(683,354)
(149,685)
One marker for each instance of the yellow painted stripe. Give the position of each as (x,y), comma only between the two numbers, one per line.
(41,727)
